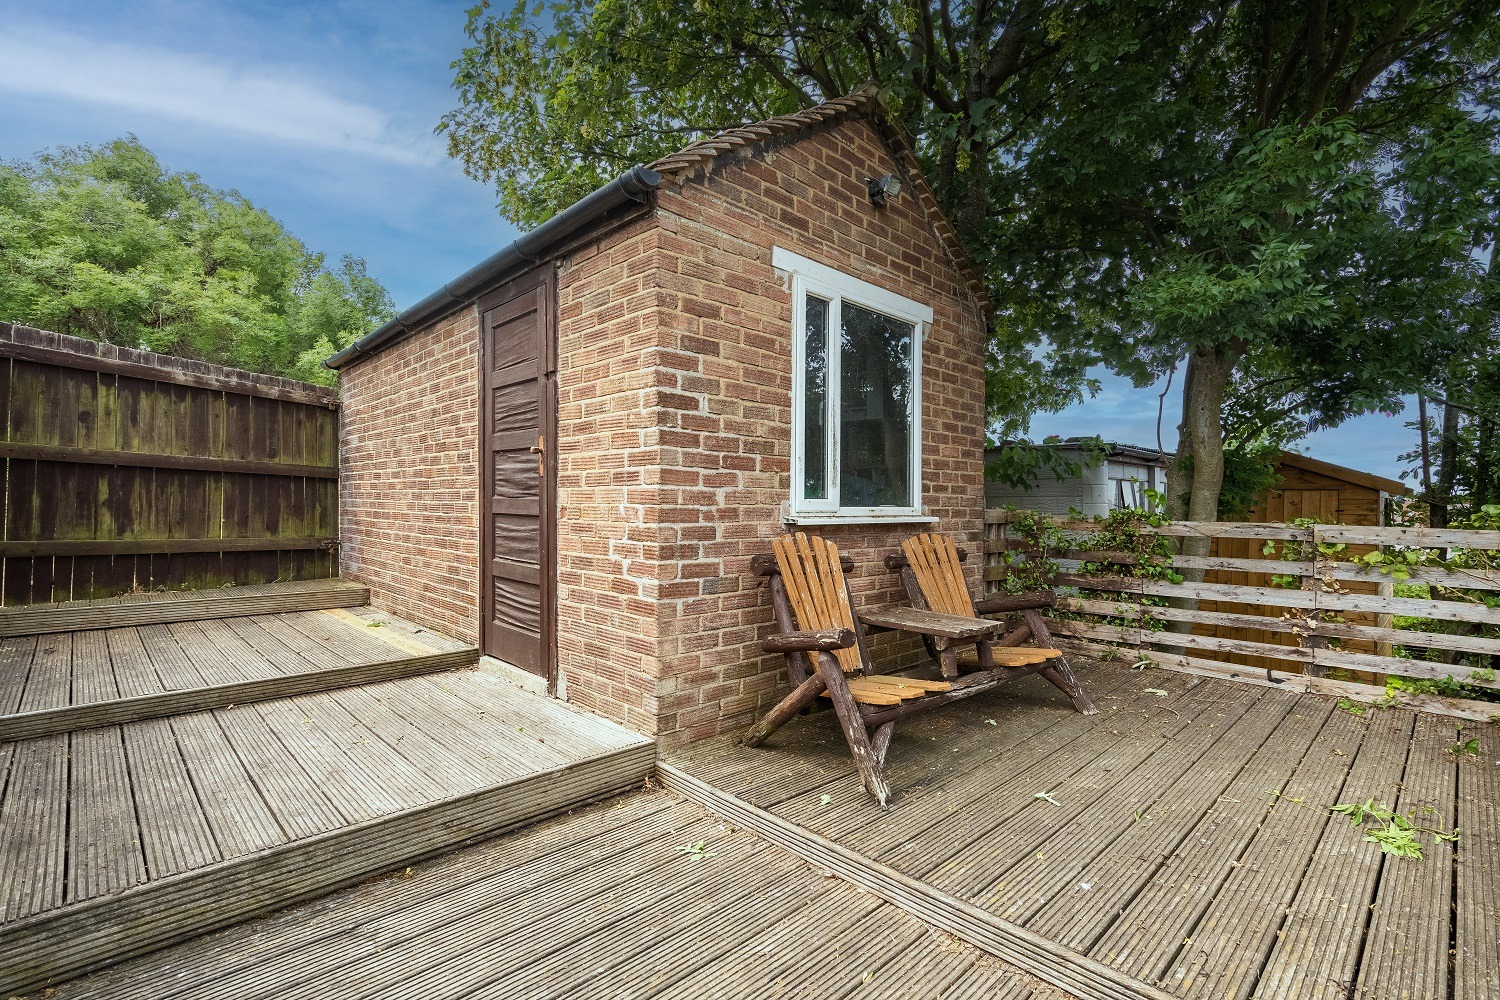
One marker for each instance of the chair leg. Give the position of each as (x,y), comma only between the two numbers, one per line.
(881,742)
(800,697)
(866,761)
(1059,671)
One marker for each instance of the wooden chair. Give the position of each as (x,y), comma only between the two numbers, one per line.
(824,644)
(931,569)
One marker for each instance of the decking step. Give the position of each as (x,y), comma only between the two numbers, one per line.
(27,725)
(160,607)
(129,837)
(60,682)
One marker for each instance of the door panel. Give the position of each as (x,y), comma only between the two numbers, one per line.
(517,547)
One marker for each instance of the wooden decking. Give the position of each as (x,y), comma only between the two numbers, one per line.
(129,820)
(1184,839)
(608,902)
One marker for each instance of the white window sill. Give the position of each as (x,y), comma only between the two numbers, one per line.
(831,519)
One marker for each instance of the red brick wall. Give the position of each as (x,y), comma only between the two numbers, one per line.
(409,476)
(676,435)
(609,476)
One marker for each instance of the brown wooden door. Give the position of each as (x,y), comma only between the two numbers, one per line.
(518,394)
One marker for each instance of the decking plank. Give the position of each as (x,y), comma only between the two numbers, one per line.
(1223,955)
(406,629)
(93,676)
(238,816)
(219,656)
(173,666)
(490,742)
(296,800)
(769,956)
(934,766)
(1324,926)
(524,743)
(163,788)
(287,656)
(531,923)
(1178,783)
(622,952)
(565,729)
(451,774)
(104,843)
(49,681)
(34,828)
(1104,792)
(1476,924)
(368,750)
(356,794)
(1005,789)
(134,673)
(295,948)
(158,607)
(1406,950)
(357,643)
(16,656)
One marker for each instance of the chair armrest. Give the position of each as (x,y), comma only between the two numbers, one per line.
(1015,602)
(822,641)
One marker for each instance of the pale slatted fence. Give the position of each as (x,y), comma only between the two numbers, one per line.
(1333,634)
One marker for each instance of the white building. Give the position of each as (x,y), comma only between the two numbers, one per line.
(1117,478)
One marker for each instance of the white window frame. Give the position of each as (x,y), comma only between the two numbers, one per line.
(808,277)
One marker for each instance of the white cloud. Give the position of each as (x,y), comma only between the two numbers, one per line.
(272,103)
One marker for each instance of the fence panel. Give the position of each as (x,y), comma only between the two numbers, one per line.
(126,470)
(1329,628)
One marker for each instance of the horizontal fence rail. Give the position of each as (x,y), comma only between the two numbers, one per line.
(1309,613)
(126,470)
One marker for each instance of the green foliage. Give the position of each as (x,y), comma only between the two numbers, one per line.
(1249,474)
(1020,464)
(104,242)
(1465,748)
(1395,833)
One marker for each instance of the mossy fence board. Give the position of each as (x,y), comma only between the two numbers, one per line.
(126,470)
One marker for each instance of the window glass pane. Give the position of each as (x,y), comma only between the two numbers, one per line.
(815,401)
(875,410)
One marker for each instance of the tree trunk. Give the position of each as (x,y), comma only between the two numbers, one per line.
(1201,439)
(1447,462)
(1486,479)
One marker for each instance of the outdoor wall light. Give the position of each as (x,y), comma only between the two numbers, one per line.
(881,188)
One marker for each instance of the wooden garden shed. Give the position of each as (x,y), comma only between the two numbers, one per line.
(570,453)
(1323,492)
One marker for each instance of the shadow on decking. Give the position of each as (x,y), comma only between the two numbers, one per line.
(1182,837)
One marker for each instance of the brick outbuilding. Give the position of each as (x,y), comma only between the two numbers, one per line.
(569,454)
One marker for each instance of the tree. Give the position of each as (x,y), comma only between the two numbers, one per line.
(105,243)
(1278,198)
(1282,199)
(555,100)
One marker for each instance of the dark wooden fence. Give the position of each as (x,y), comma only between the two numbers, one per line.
(130,471)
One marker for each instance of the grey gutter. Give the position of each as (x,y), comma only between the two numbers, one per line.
(635,185)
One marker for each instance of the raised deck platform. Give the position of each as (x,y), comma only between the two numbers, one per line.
(1182,838)
(159,607)
(608,902)
(191,775)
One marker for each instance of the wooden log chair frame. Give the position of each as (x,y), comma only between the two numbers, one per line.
(931,569)
(823,640)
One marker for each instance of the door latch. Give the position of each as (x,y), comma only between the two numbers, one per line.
(540,450)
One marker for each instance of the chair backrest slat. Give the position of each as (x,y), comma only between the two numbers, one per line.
(816,590)
(934,561)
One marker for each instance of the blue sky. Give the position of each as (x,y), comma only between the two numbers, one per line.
(322,113)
